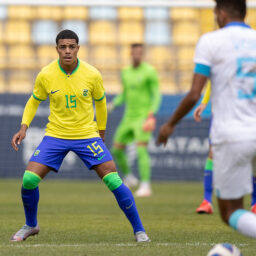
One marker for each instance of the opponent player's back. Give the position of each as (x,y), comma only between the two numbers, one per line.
(232,58)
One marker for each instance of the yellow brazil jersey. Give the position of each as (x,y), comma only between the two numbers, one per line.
(71,99)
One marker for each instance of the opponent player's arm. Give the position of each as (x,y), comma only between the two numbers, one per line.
(185,106)
(204,58)
(101,116)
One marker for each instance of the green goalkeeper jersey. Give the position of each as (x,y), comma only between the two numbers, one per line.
(141,94)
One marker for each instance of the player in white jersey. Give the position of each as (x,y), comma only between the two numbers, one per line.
(228,58)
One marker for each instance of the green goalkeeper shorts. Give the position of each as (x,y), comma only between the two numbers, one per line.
(130,130)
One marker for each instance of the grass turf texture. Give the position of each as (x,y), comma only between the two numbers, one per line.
(83,219)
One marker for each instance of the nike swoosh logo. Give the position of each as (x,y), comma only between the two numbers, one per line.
(128,207)
(99,158)
(52,92)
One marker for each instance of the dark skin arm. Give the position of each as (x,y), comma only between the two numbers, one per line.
(185,106)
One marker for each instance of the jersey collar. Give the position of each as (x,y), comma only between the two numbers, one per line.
(76,68)
(237,23)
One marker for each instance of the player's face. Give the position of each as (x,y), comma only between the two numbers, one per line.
(137,55)
(67,50)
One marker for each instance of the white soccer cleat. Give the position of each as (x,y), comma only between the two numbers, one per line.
(130,180)
(24,233)
(144,190)
(141,237)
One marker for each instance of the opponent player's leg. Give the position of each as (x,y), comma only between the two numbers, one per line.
(122,137)
(232,180)
(34,173)
(107,172)
(206,205)
(144,167)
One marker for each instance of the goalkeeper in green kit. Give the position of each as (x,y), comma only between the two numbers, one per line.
(141,96)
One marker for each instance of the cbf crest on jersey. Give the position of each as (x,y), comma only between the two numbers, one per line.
(85,92)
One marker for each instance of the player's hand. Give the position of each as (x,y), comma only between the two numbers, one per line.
(102,134)
(165,131)
(198,112)
(110,107)
(150,124)
(18,137)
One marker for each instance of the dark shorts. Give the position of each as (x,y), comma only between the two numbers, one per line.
(51,151)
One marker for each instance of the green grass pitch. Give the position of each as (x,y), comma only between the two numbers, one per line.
(82,219)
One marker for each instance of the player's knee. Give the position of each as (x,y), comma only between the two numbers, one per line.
(30,180)
(112,181)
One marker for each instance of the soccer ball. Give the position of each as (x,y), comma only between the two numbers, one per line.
(224,249)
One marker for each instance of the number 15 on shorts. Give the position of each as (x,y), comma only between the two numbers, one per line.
(95,149)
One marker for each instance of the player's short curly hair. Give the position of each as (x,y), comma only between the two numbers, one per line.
(235,8)
(134,45)
(67,34)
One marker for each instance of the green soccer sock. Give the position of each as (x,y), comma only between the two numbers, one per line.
(144,163)
(121,160)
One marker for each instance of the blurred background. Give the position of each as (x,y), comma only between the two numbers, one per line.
(169,29)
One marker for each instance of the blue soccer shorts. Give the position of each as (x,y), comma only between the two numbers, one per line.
(51,152)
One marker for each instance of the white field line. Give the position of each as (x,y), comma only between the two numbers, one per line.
(23,245)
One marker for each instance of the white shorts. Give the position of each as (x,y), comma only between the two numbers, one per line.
(233,168)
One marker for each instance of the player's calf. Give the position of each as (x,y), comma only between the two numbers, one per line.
(233,214)
(126,202)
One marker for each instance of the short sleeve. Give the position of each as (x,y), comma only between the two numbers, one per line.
(203,53)
(98,90)
(39,92)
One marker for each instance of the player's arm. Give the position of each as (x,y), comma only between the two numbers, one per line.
(100,105)
(199,110)
(185,106)
(39,94)
(101,116)
(150,123)
(28,116)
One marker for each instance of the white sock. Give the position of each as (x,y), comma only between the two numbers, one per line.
(244,222)
(145,184)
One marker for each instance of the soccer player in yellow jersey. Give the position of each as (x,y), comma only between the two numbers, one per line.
(72,86)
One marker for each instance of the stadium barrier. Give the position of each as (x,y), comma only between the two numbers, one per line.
(182,159)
